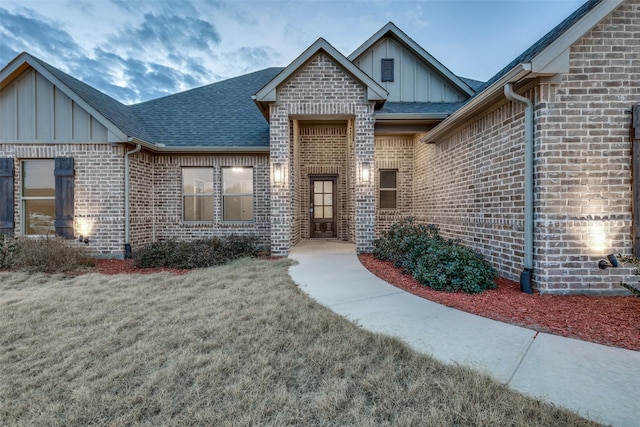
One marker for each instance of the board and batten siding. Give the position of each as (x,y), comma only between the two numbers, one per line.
(414,80)
(32,109)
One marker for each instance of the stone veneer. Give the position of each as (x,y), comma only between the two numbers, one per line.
(320,90)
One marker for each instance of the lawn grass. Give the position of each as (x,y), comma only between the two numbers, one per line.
(230,346)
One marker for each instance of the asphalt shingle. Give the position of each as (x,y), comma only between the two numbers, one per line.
(221,114)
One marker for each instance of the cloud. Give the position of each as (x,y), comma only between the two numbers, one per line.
(169,33)
(162,56)
(247,59)
(26,31)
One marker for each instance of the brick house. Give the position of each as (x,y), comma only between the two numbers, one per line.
(532,168)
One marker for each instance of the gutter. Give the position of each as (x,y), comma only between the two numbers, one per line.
(127,208)
(476,103)
(173,149)
(525,276)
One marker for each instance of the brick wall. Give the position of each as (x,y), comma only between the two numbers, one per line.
(167,199)
(471,183)
(323,151)
(583,160)
(98,195)
(471,186)
(394,153)
(141,198)
(318,89)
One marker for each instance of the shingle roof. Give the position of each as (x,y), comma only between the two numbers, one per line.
(221,114)
(544,42)
(116,112)
(436,108)
(473,84)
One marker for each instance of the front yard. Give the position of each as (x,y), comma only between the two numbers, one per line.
(232,345)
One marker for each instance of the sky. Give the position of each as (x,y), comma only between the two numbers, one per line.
(136,50)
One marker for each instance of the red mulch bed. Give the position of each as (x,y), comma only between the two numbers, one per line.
(613,321)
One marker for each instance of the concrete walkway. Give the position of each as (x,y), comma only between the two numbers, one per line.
(599,382)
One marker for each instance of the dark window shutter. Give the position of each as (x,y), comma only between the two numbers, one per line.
(6,196)
(387,70)
(64,196)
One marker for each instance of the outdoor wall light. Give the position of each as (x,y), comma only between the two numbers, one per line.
(611,261)
(278,174)
(366,172)
(84,240)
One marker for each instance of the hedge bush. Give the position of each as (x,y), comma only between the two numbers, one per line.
(8,248)
(434,261)
(43,254)
(195,254)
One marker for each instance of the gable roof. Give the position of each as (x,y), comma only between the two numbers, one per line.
(267,94)
(548,56)
(217,117)
(390,29)
(112,114)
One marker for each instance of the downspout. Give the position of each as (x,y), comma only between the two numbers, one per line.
(527,272)
(127,208)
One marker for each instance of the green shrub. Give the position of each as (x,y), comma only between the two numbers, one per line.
(8,248)
(46,255)
(434,261)
(195,254)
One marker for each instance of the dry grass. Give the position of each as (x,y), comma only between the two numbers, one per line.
(234,345)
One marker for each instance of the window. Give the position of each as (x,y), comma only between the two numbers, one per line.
(387,70)
(388,189)
(237,194)
(197,194)
(38,197)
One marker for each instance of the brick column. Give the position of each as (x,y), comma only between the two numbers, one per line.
(281,193)
(365,188)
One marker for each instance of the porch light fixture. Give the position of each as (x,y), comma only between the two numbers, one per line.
(278,175)
(366,172)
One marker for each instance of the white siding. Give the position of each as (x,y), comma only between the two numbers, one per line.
(32,109)
(414,79)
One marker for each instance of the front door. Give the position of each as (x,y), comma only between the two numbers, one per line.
(323,206)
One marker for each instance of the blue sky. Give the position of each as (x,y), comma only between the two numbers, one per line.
(135,50)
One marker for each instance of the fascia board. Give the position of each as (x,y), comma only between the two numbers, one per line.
(25,58)
(419,50)
(436,64)
(543,61)
(164,149)
(371,41)
(516,73)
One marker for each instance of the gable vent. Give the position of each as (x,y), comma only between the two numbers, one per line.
(387,69)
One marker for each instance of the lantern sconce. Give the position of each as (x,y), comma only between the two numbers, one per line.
(366,172)
(278,174)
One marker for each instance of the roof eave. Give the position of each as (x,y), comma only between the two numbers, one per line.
(517,73)
(552,60)
(411,116)
(157,148)
(268,93)
(419,50)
